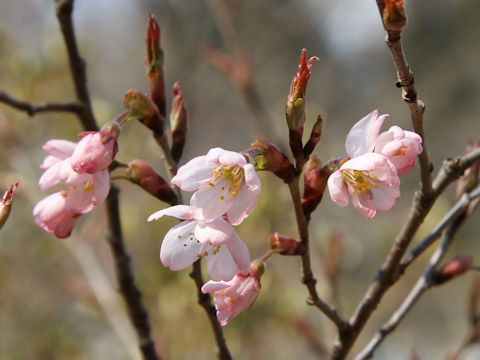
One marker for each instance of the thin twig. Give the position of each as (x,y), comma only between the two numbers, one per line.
(459,207)
(423,284)
(32,109)
(205,301)
(308,278)
(77,64)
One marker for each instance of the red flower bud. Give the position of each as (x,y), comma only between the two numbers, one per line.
(178,123)
(142,108)
(455,267)
(314,183)
(6,204)
(267,156)
(285,245)
(394,17)
(154,63)
(142,174)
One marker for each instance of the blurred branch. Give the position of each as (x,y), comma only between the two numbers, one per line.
(425,282)
(32,109)
(205,301)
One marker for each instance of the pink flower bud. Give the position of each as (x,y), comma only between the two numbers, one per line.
(314,182)
(394,17)
(143,174)
(178,123)
(154,63)
(284,245)
(142,108)
(96,150)
(6,204)
(268,157)
(51,215)
(455,267)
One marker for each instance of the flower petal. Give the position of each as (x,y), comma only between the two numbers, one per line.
(194,173)
(209,202)
(220,264)
(212,286)
(337,188)
(240,254)
(362,136)
(216,232)
(101,186)
(59,148)
(225,157)
(178,211)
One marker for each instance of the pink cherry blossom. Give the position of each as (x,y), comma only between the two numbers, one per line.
(216,240)
(370,180)
(52,215)
(95,151)
(224,183)
(233,296)
(401,147)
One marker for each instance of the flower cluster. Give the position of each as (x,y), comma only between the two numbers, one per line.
(226,189)
(370,175)
(82,167)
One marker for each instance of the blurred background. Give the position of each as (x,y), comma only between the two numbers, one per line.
(54,293)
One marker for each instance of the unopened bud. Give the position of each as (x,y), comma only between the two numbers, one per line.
(285,245)
(455,267)
(154,63)
(295,107)
(257,268)
(314,137)
(178,123)
(6,204)
(267,156)
(314,183)
(142,174)
(142,108)
(394,17)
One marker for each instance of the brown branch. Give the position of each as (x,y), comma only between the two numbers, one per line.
(77,64)
(423,284)
(308,278)
(32,109)
(205,301)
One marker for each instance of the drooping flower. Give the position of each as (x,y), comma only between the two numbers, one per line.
(96,150)
(399,146)
(52,215)
(370,180)
(234,296)
(216,240)
(224,183)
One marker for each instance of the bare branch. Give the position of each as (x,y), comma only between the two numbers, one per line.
(32,109)
(425,281)
(77,64)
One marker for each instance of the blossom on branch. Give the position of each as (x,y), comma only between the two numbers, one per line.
(224,183)
(236,295)
(216,240)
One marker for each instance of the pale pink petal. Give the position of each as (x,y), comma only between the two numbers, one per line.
(49,161)
(366,162)
(384,196)
(59,148)
(179,248)
(209,202)
(225,157)
(220,264)
(101,186)
(362,136)
(94,152)
(51,176)
(337,188)
(194,173)
(79,200)
(239,252)
(364,205)
(242,206)
(178,211)
(212,286)
(215,232)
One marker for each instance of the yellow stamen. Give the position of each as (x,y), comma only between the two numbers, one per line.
(360,181)
(88,186)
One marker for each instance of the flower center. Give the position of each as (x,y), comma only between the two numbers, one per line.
(234,175)
(361,181)
(401,151)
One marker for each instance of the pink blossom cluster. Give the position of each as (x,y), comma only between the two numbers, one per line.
(370,175)
(82,167)
(226,188)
